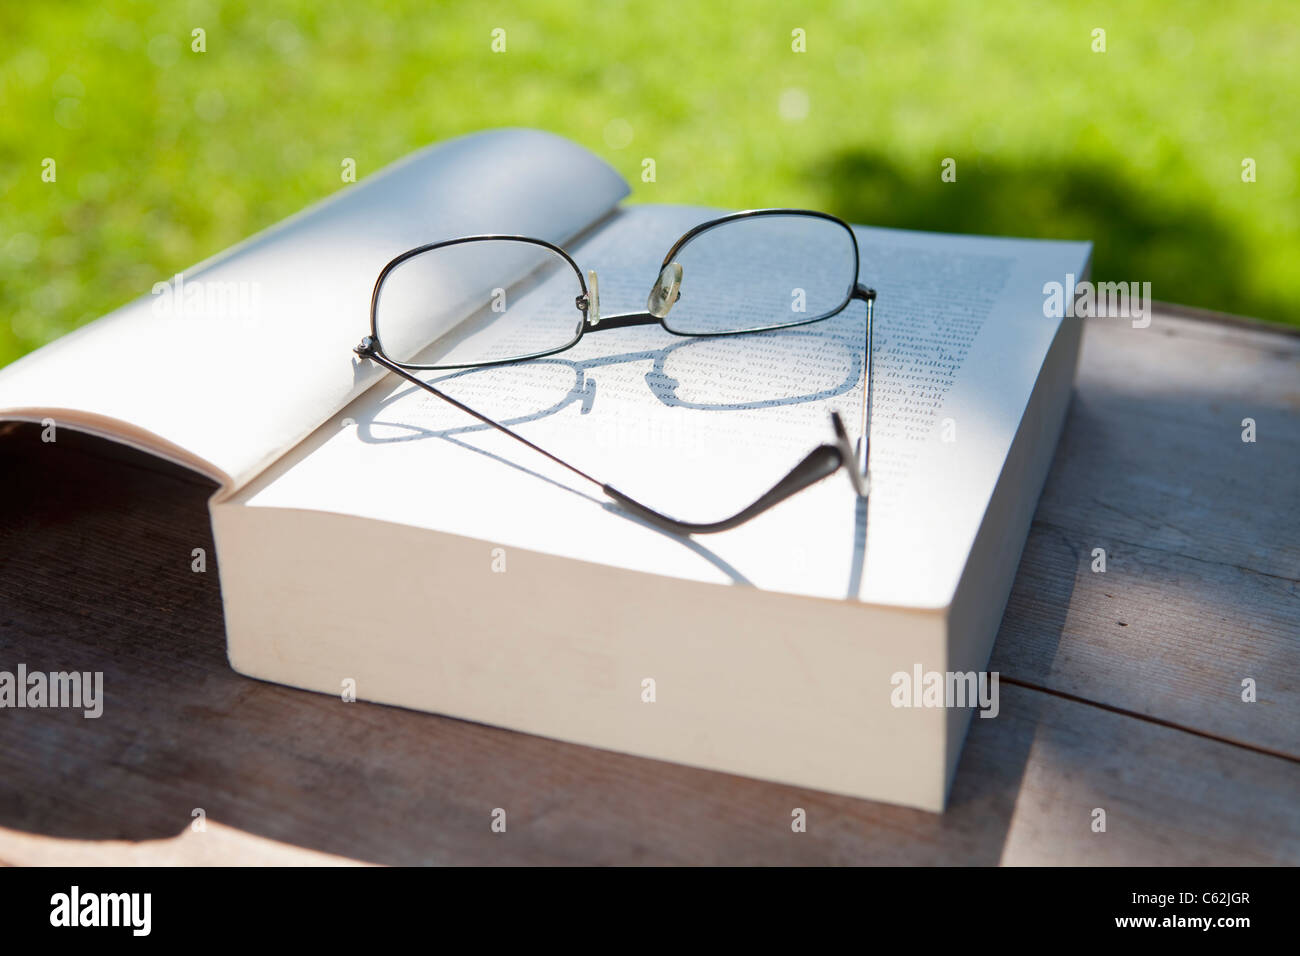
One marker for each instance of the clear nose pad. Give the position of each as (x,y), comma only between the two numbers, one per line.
(593,299)
(667,290)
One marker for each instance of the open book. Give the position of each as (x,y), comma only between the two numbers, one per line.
(371,538)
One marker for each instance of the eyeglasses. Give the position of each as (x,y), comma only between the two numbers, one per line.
(492,300)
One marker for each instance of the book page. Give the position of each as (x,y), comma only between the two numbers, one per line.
(230,364)
(699,427)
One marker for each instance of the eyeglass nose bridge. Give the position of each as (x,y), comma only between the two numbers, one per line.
(666,290)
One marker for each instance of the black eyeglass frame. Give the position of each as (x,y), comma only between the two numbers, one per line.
(821,463)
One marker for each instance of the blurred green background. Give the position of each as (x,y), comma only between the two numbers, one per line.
(165,156)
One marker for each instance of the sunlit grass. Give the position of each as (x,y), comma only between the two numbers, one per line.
(165,156)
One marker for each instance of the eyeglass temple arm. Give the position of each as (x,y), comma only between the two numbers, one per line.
(822,462)
(860,291)
(868,296)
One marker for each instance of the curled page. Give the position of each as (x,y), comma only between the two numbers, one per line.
(229,364)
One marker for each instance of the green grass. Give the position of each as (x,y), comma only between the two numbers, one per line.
(165,156)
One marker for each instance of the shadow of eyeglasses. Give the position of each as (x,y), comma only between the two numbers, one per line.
(696,373)
(670,383)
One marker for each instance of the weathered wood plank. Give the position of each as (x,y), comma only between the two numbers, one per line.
(1170,797)
(1201,534)
(1158,634)
(1152,453)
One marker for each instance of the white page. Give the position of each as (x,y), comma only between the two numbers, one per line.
(230,383)
(960,334)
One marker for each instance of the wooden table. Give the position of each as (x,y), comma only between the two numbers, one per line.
(1121,690)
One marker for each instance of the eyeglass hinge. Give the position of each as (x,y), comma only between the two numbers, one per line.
(366,348)
(865,293)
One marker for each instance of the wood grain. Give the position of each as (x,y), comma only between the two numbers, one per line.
(1201,533)
(1121,692)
